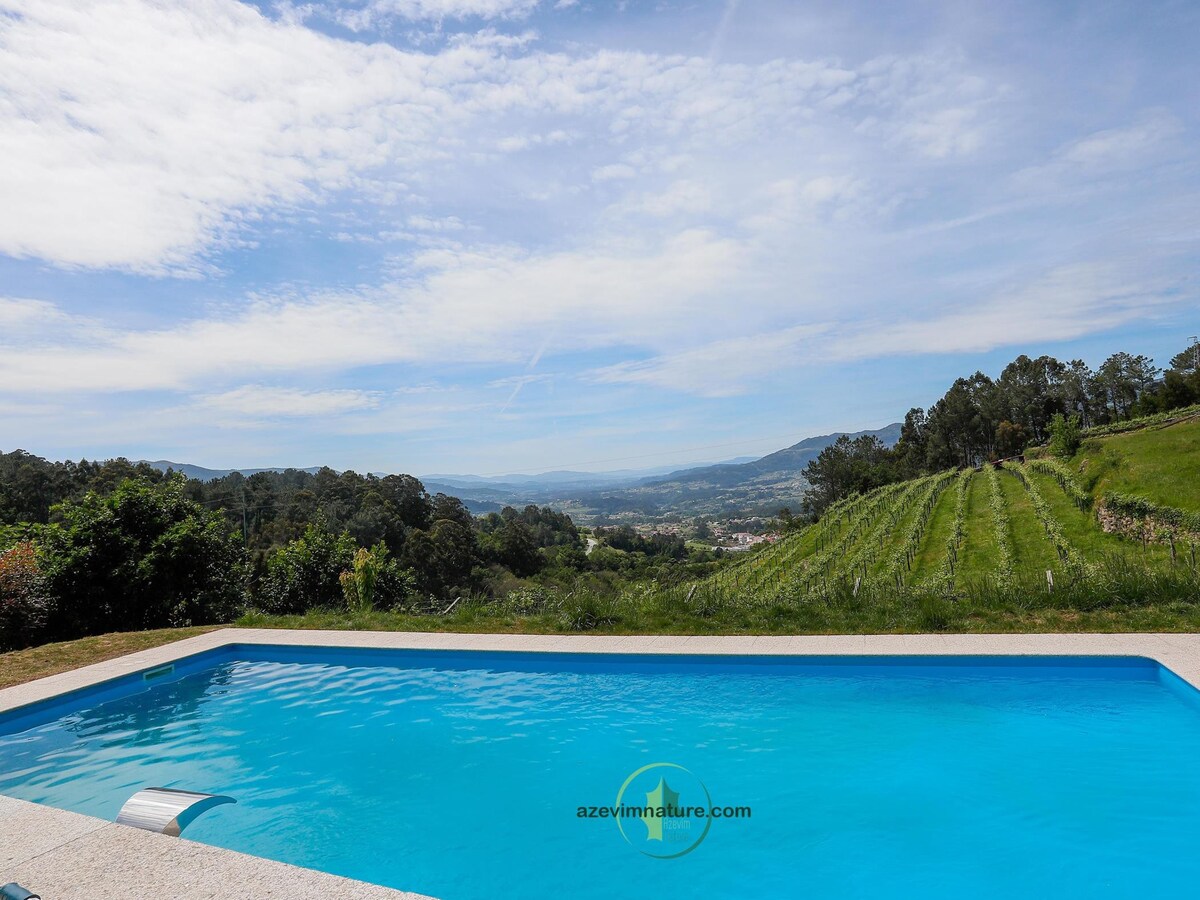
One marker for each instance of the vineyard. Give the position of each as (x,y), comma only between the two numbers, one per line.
(1044,522)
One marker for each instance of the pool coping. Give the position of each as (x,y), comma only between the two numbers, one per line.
(67,855)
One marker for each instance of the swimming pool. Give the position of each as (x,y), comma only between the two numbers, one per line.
(461,775)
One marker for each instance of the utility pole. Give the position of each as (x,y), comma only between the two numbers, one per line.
(245,536)
(1195,339)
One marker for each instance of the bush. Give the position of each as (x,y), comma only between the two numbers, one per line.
(142,557)
(588,612)
(1066,434)
(320,569)
(1141,508)
(306,573)
(374,580)
(24,601)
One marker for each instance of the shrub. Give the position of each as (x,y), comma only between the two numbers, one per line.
(307,572)
(375,580)
(1066,480)
(1141,508)
(1066,434)
(142,557)
(588,612)
(24,601)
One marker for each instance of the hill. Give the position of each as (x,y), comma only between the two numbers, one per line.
(200,473)
(1039,524)
(564,478)
(788,462)
(758,487)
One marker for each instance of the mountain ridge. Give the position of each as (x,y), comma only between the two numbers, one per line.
(755,486)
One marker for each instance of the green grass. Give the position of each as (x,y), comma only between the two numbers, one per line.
(1033,553)
(889,539)
(1120,597)
(19,666)
(932,554)
(979,550)
(1079,527)
(1123,598)
(804,584)
(1160,464)
(1019,523)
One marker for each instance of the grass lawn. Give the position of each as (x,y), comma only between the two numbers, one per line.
(977,558)
(20,666)
(938,532)
(892,539)
(1160,464)
(1032,550)
(1079,527)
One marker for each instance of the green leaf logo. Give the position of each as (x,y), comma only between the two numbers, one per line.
(661,798)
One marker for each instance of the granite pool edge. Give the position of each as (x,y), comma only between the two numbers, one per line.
(67,855)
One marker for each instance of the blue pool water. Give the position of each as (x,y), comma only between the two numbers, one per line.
(460,775)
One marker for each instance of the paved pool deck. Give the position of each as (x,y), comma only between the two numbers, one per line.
(67,856)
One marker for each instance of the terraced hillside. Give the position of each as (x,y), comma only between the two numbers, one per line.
(1129,500)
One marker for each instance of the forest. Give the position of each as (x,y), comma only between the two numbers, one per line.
(980,418)
(90,547)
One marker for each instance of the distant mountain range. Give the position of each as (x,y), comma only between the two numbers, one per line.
(202,474)
(758,487)
(738,487)
(566,477)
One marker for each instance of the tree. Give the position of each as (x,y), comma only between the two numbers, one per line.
(1121,380)
(455,552)
(1178,391)
(1076,391)
(442,558)
(1010,439)
(143,557)
(451,509)
(1181,382)
(1187,361)
(517,549)
(912,449)
(358,582)
(1031,394)
(845,467)
(374,579)
(959,432)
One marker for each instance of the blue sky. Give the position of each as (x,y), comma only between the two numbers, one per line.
(508,235)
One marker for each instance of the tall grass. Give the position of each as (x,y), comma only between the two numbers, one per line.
(1121,594)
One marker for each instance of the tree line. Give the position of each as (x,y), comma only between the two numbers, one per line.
(981,418)
(88,547)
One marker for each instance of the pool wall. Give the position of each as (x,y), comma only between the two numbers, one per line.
(67,855)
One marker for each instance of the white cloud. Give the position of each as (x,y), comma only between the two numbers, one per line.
(429,223)
(684,197)
(484,305)
(17,314)
(379,12)
(614,172)
(261,401)
(218,116)
(1128,146)
(1097,156)
(720,368)
(1061,305)
(1064,303)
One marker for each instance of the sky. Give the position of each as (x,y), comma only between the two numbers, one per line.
(491,236)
